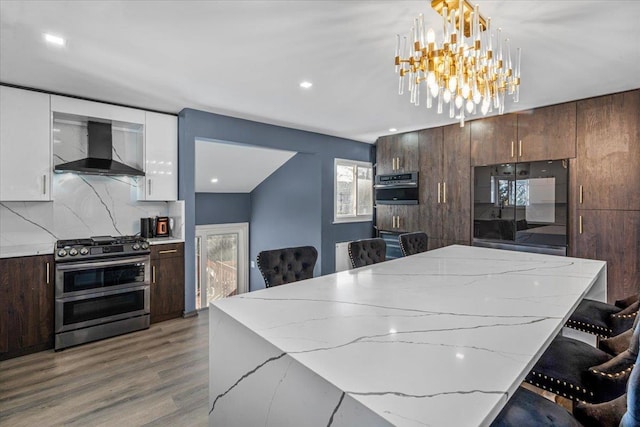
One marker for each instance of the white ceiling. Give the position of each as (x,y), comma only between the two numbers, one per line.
(238,168)
(246,58)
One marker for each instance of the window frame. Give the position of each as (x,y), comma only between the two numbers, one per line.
(350,218)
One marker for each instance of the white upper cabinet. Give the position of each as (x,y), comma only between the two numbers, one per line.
(25,145)
(161,158)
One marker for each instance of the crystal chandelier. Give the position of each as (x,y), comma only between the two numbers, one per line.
(462,68)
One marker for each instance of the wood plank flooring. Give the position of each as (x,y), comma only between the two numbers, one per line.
(155,377)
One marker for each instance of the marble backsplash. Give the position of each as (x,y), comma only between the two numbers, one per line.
(83,206)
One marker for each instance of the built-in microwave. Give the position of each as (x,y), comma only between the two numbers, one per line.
(397,189)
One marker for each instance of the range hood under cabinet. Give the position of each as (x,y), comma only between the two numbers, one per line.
(100,158)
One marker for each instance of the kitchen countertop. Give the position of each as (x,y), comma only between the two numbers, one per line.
(14,251)
(26,250)
(440,338)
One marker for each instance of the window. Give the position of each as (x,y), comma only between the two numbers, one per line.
(353,191)
(510,192)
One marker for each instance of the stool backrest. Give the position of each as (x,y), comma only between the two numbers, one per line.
(286,265)
(367,251)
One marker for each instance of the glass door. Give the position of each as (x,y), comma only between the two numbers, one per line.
(221,260)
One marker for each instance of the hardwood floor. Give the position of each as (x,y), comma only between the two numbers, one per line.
(154,377)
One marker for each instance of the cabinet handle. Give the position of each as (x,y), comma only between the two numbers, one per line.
(48,273)
(438,192)
(393,221)
(44,184)
(580,224)
(520,148)
(512,149)
(444,192)
(398,163)
(153,274)
(398,222)
(149,180)
(168,251)
(581,194)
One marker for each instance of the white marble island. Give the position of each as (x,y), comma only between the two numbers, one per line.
(441,338)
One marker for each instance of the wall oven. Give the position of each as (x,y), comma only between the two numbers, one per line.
(397,189)
(101,289)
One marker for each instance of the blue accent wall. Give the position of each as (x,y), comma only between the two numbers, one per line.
(222,208)
(193,124)
(286,211)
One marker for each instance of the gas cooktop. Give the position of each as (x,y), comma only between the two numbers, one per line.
(100,247)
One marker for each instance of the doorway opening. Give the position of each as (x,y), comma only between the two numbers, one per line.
(222,266)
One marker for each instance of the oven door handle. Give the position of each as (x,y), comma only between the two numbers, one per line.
(98,263)
(397,185)
(142,287)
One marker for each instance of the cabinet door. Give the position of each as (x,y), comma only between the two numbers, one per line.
(493,140)
(431,182)
(612,236)
(408,152)
(547,133)
(167,281)
(385,217)
(25,145)
(407,218)
(161,158)
(456,203)
(385,156)
(608,151)
(397,153)
(29,304)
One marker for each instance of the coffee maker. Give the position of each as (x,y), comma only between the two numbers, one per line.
(147,227)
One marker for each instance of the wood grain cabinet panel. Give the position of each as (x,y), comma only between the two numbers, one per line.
(445,198)
(398,218)
(608,152)
(493,140)
(547,133)
(612,236)
(28,306)
(431,179)
(167,281)
(397,153)
(456,219)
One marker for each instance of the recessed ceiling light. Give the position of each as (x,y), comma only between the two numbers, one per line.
(306,85)
(392,129)
(214,180)
(55,40)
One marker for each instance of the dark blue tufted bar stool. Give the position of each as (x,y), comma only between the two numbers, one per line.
(413,243)
(601,319)
(528,409)
(577,371)
(280,266)
(367,251)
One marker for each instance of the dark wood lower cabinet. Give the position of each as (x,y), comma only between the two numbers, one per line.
(614,237)
(398,218)
(167,281)
(26,305)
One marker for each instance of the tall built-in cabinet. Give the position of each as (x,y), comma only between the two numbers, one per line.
(27,307)
(605,188)
(25,145)
(397,154)
(444,185)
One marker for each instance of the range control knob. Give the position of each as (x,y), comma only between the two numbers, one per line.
(144,245)
(135,246)
(62,252)
(84,251)
(73,252)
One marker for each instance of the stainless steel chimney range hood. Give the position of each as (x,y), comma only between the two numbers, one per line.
(99,160)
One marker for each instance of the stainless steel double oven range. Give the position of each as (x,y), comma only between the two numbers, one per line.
(102,288)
